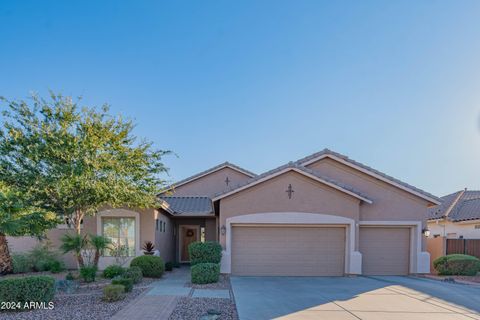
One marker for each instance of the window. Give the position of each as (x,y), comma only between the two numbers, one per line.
(164,224)
(121,232)
(202,234)
(156,224)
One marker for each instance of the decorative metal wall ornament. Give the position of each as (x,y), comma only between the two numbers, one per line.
(189,233)
(227,181)
(290,191)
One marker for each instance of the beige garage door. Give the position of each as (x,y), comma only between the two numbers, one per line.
(385,251)
(288,251)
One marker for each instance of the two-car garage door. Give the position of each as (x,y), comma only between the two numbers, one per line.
(316,250)
(288,251)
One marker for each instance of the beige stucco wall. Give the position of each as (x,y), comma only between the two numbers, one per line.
(165,241)
(437,248)
(211,229)
(453,230)
(211,184)
(270,196)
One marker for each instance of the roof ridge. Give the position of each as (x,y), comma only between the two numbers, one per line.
(327,151)
(454,203)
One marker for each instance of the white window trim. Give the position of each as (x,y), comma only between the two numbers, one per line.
(121,213)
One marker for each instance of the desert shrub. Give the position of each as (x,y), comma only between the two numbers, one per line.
(22,263)
(151,266)
(457,264)
(56,266)
(205,273)
(27,289)
(113,271)
(168,266)
(43,258)
(113,292)
(88,273)
(205,252)
(67,286)
(69,276)
(134,273)
(126,282)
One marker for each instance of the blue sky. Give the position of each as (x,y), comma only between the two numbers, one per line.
(395,85)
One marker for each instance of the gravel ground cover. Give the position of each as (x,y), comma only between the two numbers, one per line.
(194,308)
(475,279)
(76,307)
(223,283)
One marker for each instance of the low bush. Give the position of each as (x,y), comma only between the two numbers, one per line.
(126,282)
(88,273)
(205,252)
(176,264)
(113,271)
(168,266)
(69,276)
(205,273)
(134,273)
(56,266)
(457,264)
(27,289)
(43,258)
(22,263)
(151,266)
(113,292)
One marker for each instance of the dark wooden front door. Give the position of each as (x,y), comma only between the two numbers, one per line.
(188,235)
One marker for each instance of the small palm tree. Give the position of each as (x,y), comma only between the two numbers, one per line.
(99,243)
(75,243)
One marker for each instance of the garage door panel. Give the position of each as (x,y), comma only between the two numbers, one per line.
(288,251)
(385,250)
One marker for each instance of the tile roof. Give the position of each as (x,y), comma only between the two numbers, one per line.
(293,165)
(189,206)
(466,208)
(367,168)
(208,171)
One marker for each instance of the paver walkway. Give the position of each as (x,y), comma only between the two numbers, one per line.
(160,300)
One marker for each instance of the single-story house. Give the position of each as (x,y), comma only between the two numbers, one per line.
(322,215)
(458,217)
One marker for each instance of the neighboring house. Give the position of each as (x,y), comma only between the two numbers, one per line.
(457,217)
(323,215)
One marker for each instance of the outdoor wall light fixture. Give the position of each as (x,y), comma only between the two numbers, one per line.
(426,232)
(223,230)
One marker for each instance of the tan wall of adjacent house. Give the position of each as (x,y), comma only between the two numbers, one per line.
(455,230)
(437,248)
(211,184)
(270,196)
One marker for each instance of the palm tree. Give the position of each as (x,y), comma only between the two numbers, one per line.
(18,218)
(99,243)
(75,243)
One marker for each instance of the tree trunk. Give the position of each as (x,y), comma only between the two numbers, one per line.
(6,265)
(77,224)
(96,258)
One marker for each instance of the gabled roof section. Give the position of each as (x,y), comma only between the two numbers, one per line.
(210,171)
(299,169)
(465,206)
(187,206)
(369,171)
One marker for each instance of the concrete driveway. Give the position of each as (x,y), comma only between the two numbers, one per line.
(376,298)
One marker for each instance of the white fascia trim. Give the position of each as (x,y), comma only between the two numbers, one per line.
(353,259)
(174,185)
(273,175)
(373,174)
(419,260)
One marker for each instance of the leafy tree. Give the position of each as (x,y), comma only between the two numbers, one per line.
(73,161)
(18,218)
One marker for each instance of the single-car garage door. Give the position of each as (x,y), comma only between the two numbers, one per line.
(288,251)
(385,250)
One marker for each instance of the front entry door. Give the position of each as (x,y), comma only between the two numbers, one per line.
(188,234)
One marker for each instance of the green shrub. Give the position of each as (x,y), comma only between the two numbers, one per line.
(205,273)
(205,252)
(457,264)
(113,271)
(134,273)
(168,266)
(22,263)
(88,273)
(56,266)
(69,276)
(113,292)
(151,266)
(176,264)
(27,289)
(126,282)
